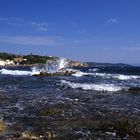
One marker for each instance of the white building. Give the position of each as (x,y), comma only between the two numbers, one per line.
(2,63)
(7,62)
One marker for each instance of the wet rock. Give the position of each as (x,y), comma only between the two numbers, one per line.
(123,128)
(49,135)
(29,136)
(82,133)
(134,89)
(59,73)
(2,126)
(50,111)
(16,135)
(2,97)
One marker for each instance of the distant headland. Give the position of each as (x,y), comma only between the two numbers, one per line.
(8,59)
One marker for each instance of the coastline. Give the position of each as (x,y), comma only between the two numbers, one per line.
(88,105)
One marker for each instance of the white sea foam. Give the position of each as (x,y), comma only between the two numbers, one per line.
(62,63)
(118,76)
(36,70)
(126,77)
(79,74)
(15,72)
(18,72)
(53,66)
(96,87)
(94,69)
(105,75)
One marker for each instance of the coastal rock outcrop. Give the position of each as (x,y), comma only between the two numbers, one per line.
(59,73)
(77,64)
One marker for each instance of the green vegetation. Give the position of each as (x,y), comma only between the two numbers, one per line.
(26,59)
(34,59)
(5,56)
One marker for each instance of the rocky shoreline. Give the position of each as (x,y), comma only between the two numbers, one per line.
(66,120)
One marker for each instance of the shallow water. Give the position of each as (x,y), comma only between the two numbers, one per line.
(83,105)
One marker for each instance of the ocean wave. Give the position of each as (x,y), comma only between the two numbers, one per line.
(18,72)
(94,69)
(96,87)
(105,75)
(126,77)
(118,76)
(80,74)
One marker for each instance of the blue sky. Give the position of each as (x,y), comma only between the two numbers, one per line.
(85,30)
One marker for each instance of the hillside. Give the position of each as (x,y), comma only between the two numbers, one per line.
(7,59)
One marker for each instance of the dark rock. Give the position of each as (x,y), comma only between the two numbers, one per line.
(61,73)
(134,89)
(2,97)
(50,111)
(123,128)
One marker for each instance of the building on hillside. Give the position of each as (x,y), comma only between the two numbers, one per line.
(2,63)
(18,59)
(9,62)
(6,62)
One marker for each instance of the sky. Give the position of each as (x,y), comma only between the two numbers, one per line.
(84,30)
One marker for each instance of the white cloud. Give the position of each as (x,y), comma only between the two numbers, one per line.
(111,21)
(30,40)
(40,26)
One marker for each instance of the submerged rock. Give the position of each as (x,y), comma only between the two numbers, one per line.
(123,128)
(2,97)
(50,111)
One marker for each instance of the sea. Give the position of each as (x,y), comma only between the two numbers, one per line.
(100,102)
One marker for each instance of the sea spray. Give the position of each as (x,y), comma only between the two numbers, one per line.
(107,75)
(53,66)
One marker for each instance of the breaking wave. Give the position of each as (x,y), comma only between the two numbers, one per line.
(117,76)
(51,66)
(126,77)
(80,74)
(105,75)
(15,72)
(96,87)
(18,72)
(94,70)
